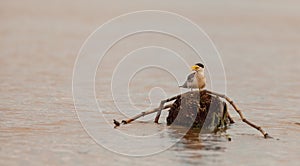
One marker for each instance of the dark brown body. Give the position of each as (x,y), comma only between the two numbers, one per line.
(199,110)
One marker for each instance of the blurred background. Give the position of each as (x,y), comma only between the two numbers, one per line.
(39,40)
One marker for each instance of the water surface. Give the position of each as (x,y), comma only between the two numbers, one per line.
(258,42)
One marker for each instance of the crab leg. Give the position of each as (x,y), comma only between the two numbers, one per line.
(265,134)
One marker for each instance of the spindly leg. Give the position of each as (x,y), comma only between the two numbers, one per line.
(265,134)
(117,123)
(230,118)
(161,107)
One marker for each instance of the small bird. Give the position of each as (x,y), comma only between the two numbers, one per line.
(195,79)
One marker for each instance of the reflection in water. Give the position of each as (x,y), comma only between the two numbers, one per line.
(193,140)
(194,145)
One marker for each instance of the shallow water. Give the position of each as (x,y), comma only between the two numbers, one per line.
(258,43)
